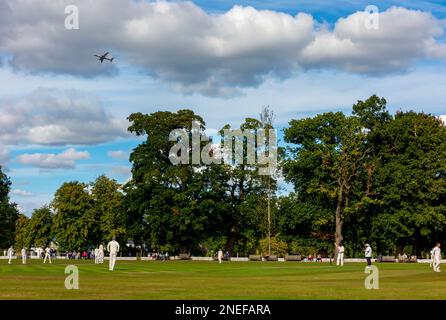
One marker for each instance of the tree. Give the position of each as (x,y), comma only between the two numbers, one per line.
(8,212)
(329,162)
(410,182)
(38,229)
(267,118)
(161,198)
(21,231)
(190,206)
(75,223)
(307,221)
(326,159)
(250,193)
(108,199)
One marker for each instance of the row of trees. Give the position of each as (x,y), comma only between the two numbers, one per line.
(365,177)
(369,177)
(81,216)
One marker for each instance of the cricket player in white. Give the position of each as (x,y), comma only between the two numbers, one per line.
(96,255)
(220,255)
(431,264)
(113,248)
(101,254)
(368,254)
(340,258)
(10,254)
(23,256)
(39,253)
(437,257)
(47,255)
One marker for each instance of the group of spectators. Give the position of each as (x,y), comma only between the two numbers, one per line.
(313,258)
(158,256)
(76,255)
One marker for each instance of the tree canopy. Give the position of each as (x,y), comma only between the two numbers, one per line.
(8,212)
(366,176)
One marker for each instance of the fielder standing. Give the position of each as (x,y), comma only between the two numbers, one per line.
(96,255)
(39,252)
(47,255)
(101,254)
(10,254)
(431,264)
(368,254)
(113,248)
(436,257)
(220,255)
(340,259)
(23,256)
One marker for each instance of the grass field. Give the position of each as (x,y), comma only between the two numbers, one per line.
(209,280)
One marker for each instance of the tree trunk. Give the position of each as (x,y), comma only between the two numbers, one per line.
(338,233)
(339,215)
(230,242)
(399,247)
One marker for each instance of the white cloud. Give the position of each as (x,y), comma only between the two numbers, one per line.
(121,171)
(64,160)
(21,193)
(403,37)
(118,154)
(27,206)
(50,117)
(4,155)
(213,54)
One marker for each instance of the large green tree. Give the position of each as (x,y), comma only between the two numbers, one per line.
(248,191)
(75,222)
(21,231)
(108,198)
(410,182)
(191,205)
(161,198)
(325,160)
(329,163)
(39,228)
(8,212)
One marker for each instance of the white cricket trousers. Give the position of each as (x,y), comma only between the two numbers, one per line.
(47,256)
(340,260)
(437,265)
(24,259)
(112,261)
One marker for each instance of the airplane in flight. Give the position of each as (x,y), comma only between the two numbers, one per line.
(103,57)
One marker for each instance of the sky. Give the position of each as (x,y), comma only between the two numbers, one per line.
(63,113)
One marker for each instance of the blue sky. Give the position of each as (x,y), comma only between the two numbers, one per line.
(324,9)
(63,114)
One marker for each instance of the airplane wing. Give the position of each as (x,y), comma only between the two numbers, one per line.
(96,55)
(105,54)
